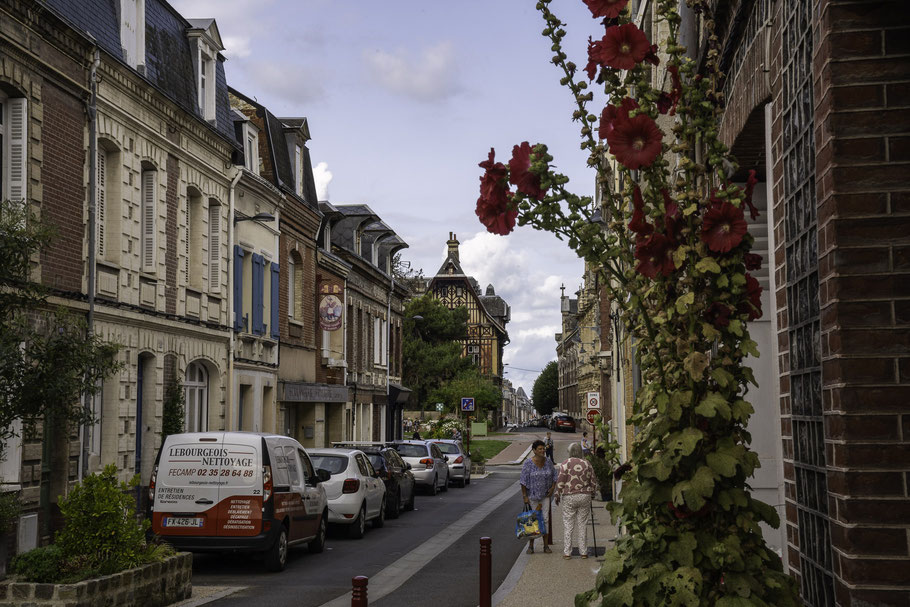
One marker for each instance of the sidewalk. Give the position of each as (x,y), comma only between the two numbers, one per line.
(549,579)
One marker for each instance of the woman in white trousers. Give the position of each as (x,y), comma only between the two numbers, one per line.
(575,486)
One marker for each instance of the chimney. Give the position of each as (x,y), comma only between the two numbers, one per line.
(452,243)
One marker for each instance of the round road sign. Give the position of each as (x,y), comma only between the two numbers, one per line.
(590,415)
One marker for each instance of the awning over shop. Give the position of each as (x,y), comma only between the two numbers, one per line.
(398,394)
(303,392)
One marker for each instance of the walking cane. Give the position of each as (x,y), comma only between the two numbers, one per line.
(593,527)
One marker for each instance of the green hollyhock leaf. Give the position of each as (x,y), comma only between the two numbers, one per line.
(735,601)
(683,586)
(713,404)
(722,281)
(623,596)
(693,492)
(655,468)
(722,377)
(684,441)
(614,562)
(750,377)
(766,513)
(742,410)
(682,550)
(683,302)
(750,347)
(722,463)
(707,264)
(695,365)
(736,328)
(738,279)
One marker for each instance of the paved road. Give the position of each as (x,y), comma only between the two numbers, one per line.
(431,552)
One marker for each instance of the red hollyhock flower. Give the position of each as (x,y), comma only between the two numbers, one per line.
(753,261)
(623,47)
(664,103)
(753,292)
(718,315)
(639,225)
(635,142)
(672,220)
(651,56)
(494,207)
(615,113)
(520,176)
(676,92)
(654,256)
(723,227)
(750,186)
(606,8)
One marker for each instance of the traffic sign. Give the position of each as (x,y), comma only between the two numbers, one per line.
(467,404)
(591,414)
(440,407)
(593,400)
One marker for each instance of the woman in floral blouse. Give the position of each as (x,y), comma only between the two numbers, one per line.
(575,486)
(538,480)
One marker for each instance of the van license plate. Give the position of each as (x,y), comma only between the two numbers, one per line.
(172,521)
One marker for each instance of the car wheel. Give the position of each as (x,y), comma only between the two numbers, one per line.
(394,509)
(462,482)
(317,544)
(359,527)
(434,486)
(277,556)
(410,503)
(379,521)
(467,481)
(445,485)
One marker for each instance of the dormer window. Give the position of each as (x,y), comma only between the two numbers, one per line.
(206,82)
(251,147)
(132,32)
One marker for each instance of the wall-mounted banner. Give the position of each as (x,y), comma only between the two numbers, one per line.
(330,312)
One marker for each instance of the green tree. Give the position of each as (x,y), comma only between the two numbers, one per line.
(546,389)
(47,359)
(469,383)
(432,354)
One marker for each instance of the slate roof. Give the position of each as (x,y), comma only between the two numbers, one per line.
(168,55)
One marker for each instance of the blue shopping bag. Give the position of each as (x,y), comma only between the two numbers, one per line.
(530,524)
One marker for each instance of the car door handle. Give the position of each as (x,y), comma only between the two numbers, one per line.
(204,501)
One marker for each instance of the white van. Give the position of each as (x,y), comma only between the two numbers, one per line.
(238,491)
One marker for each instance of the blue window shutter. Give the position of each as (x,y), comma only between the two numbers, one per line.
(257,294)
(238,288)
(273,322)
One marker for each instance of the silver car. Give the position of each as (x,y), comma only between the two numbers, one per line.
(355,492)
(428,464)
(459,461)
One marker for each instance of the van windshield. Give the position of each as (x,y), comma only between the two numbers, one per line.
(333,464)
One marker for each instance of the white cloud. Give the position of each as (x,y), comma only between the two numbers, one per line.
(432,76)
(236,47)
(323,177)
(290,83)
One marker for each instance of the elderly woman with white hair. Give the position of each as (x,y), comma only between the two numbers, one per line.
(575,486)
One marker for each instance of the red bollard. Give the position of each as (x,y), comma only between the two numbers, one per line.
(486,573)
(359,591)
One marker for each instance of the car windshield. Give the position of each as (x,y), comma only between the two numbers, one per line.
(406,450)
(333,464)
(447,448)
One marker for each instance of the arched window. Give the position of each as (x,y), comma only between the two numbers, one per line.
(196,389)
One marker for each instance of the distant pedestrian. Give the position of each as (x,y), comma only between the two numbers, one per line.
(538,481)
(456,435)
(575,486)
(548,444)
(585,444)
(416,435)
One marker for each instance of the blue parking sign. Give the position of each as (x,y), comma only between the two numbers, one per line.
(467,404)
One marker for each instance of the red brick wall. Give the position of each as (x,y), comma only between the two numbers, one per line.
(862,120)
(171,237)
(62,137)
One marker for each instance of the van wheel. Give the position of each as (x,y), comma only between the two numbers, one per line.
(394,510)
(277,556)
(359,527)
(317,544)
(434,486)
(379,521)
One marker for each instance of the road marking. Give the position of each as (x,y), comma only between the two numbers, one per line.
(389,579)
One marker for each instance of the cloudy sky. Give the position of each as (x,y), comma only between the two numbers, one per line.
(403,99)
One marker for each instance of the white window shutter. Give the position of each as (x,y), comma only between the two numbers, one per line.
(214,247)
(148,220)
(128,29)
(100,200)
(18,148)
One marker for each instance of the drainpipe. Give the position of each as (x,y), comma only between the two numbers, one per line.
(92,110)
(230,297)
(388,343)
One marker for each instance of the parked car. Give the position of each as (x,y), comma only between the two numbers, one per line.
(400,485)
(355,492)
(428,464)
(459,461)
(238,492)
(563,423)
